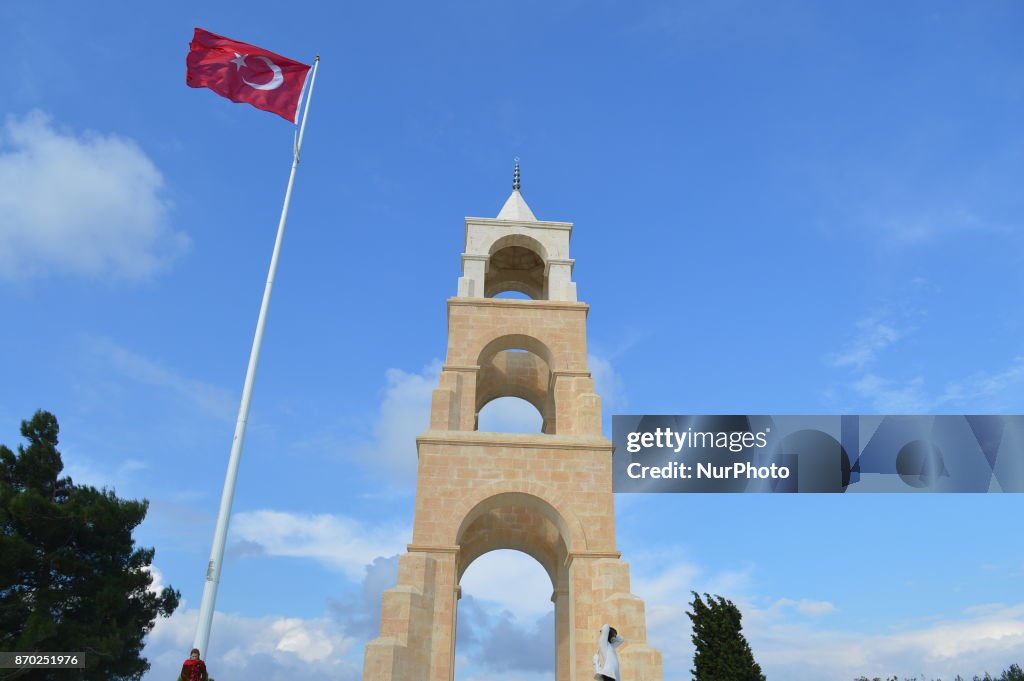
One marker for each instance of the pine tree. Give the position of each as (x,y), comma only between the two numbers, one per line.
(722,653)
(1014,673)
(71,577)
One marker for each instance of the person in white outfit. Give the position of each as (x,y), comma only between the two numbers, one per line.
(606,662)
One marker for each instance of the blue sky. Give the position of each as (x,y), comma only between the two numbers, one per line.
(780,208)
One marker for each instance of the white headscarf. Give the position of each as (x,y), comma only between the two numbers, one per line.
(606,661)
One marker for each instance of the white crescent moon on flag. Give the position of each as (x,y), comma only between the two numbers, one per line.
(274,82)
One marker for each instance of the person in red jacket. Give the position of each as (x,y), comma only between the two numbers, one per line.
(194,669)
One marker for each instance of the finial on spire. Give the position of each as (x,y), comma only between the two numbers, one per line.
(515,177)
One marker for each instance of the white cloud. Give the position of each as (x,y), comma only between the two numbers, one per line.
(670,585)
(982,391)
(874,334)
(309,643)
(607,383)
(468,669)
(989,390)
(87,204)
(488,579)
(674,577)
(506,617)
(404,413)
(84,470)
(271,648)
(498,642)
(808,606)
(967,645)
(212,399)
(664,579)
(893,397)
(913,230)
(157,585)
(335,541)
(787,645)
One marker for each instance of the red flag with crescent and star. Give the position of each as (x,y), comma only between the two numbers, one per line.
(246,73)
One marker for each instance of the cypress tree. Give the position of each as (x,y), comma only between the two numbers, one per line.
(722,652)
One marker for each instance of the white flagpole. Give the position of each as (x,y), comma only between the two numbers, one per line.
(223,516)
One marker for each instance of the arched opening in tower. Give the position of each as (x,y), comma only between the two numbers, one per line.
(505,625)
(515,367)
(514,587)
(516,264)
(512,295)
(510,415)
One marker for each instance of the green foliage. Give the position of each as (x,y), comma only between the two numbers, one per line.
(71,577)
(723,653)
(1014,673)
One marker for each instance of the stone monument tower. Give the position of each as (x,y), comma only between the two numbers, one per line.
(548,495)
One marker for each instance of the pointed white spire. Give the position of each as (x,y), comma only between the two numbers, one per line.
(515,207)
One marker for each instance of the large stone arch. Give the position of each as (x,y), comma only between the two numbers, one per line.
(515,521)
(487,496)
(530,518)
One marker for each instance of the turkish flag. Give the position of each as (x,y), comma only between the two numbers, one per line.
(246,73)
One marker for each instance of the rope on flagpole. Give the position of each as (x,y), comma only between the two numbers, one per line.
(213,568)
